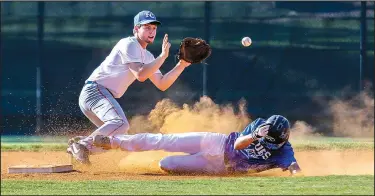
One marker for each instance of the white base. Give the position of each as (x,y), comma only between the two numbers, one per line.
(39,168)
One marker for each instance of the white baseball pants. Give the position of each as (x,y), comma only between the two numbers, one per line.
(205,150)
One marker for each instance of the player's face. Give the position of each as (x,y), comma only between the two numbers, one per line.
(147,33)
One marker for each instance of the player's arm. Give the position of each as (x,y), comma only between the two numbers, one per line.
(287,162)
(143,71)
(163,82)
(245,140)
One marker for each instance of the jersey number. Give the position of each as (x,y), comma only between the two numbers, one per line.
(261,151)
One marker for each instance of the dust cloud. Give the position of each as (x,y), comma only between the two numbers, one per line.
(355,117)
(301,129)
(351,118)
(203,116)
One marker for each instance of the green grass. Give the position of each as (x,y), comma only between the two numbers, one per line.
(335,146)
(31,139)
(34,147)
(333,143)
(332,185)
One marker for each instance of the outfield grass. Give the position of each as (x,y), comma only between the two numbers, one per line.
(328,185)
(34,147)
(333,143)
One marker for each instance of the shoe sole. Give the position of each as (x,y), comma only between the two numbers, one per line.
(77,160)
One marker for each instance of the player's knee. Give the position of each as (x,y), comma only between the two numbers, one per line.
(165,164)
(122,126)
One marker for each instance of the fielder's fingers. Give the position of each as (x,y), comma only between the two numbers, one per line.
(166,45)
(165,38)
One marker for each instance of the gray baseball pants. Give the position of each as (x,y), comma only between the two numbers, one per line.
(102,109)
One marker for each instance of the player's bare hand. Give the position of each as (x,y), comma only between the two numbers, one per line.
(183,63)
(295,170)
(263,130)
(260,132)
(165,47)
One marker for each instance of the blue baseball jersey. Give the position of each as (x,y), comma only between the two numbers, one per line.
(256,157)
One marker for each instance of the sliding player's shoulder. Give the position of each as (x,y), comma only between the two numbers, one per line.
(257,122)
(287,147)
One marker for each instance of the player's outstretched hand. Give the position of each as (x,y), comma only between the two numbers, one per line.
(165,47)
(295,170)
(261,131)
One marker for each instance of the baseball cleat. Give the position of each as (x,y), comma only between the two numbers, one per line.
(75,139)
(79,152)
(102,141)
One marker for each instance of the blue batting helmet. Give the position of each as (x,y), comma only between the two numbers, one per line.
(278,134)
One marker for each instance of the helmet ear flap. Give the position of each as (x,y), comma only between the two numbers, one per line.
(279,131)
(285,134)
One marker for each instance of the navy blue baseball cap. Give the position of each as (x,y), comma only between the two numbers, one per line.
(145,17)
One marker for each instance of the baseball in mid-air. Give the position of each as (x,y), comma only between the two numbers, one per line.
(246,41)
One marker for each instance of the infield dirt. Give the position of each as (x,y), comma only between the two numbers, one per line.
(120,165)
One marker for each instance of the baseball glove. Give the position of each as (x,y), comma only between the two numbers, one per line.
(193,50)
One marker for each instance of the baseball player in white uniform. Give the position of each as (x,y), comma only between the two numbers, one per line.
(128,61)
